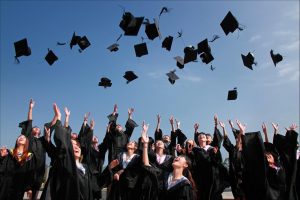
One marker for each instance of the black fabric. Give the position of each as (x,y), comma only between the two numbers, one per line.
(181,191)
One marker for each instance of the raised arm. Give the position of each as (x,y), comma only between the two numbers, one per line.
(223,128)
(31,105)
(276,128)
(67,112)
(196,133)
(158,133)
(172,123)
(226,143)
(158,123)
(242,128)
(145,141)
(265,131)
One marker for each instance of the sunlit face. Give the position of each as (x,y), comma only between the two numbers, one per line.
(36,131)
(166,139)
(74,136)
(179,162)
(21,140)
(131,145)
(95,140)
(159,144)
(119,128)
(208,139)
(76,149)
(189,145)
(202,139)
(270,158)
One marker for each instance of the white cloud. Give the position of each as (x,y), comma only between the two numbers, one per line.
(293,46)
(156,74)
(191,78)
(283,33)
(292,13)
(255,38)
(289,71)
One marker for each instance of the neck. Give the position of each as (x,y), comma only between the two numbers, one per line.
(202,144)
(177,173)
(130,153)
(160,151)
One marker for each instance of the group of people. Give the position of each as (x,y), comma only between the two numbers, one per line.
(167,166)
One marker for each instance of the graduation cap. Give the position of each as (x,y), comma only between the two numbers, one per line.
(51,57)
(179,62)
(113,47)
(22,48)
(152,30)
(167,43)
(205,51)
(190,54)
(276,57)
(83,43)
(130,24)
(105,82)
(172,77)
(248,60)
(130,76)
(232,94)
(206,57)
(74,41)
(140,49)
(229,24)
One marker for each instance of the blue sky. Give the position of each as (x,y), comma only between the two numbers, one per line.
(266,94)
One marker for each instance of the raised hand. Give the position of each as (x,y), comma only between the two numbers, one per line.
(158,118)
(92,124)
(264,128)
(31,104)
(115,109)
(216,119)
(177,124)
(56,111)
(275,127)
(47,133)
(293,127)
(178,148)
(113,164)
(241,126)
(222,124)
(130,112)
(171,119)
(67,112)
(196,126)
(144,135)
(86,116)
(230,123)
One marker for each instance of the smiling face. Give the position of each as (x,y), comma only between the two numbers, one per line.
(36,131)
(166,139)
(95,140)
(202,140)
(180,162)
(270,158)
(132,145)
(76,149)
(21,140)
(159,144)
(119,128)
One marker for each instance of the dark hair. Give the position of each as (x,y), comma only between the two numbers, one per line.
(187,173)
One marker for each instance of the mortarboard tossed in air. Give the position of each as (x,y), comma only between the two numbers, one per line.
(114,47)
(83,43)
(130,24)
(276,57)
(51,57)
(22,49)
(172,77)
(152,30)
(105,82)
(190,54)
(229,24)
(205,51)
(232,94)
(248,60)
(179,62)
(141,49)
(130,76)
(74,40)
(167,43)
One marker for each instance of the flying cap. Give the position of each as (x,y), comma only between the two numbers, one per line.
(232,94)
(130,76)
(113,47)
(167,43)
(248,60)
(83,43)
(152,30)
(105,82)
(172,77)
(130,24)
(179,62)
(229,24)
(276,57)
(22,48)
(140,49)
(51,57)
(74,40)
(190,54)
(205,51)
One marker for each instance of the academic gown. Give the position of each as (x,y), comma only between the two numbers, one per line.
(14,177)
(287,148)
(298,178)
(35,143)
(181,191)
(169,148)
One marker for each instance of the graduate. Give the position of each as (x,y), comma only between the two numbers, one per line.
(116,138)
(177,185)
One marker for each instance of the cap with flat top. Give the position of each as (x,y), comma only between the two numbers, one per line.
(205,51)
(167,43)
(190,54)
(51,57)
(114,47)
(248,60)
(74,41)
(152,30)
(206,57)
(172,77)
(22,48)
(130,76)
(179,62)
(232,94)
(276,58)
(229,24)
(130,24)
(83,43)
(141,49)
(105,82)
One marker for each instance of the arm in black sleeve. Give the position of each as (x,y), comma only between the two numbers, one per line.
(158,135)
(26,127)
(217,139)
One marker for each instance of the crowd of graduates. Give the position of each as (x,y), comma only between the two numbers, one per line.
(167,166)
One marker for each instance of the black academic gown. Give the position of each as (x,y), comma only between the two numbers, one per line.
(287,148)
(298,178)
(125,188)
(67,181)
(15,177)
(35,145)
(181,191)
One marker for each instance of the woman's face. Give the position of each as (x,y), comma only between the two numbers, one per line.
(74,136)
(159,144)
(179,162)
(202,138)
(95,140)
(76,149)
(21,140)
(270,158)
(131,145)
